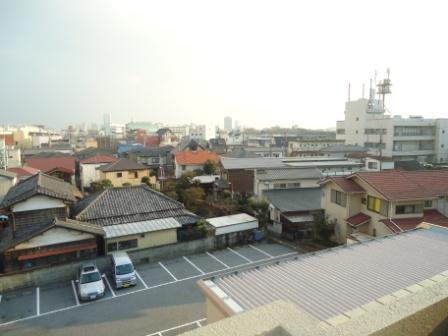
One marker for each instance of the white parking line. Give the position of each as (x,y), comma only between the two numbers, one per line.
(240,255)
(37,301)
(140,278)
(168,271)
(197,322)
(110,287)
(191,263)
(74,293)
(212,256)
(261,251)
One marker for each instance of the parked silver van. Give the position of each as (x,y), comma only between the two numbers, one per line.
(123,271)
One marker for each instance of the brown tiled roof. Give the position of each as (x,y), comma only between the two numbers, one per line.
(195,157)
(405,185)
(99,158)
(24,171)
(345,184)
(47,164)
(358,219)
(398,225)
(122,165)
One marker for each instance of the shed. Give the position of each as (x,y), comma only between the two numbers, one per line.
(233,223)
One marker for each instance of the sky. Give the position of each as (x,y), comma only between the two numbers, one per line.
(263,63)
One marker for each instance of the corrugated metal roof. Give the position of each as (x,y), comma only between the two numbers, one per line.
(288,174)
(230,220)
(335,281)
(127,229)
(251,163)
(298,199)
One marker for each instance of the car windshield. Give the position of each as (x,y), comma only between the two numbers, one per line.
(124,269)
(90,277)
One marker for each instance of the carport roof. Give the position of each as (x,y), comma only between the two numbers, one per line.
(334,281)
(230,220)
(128,229)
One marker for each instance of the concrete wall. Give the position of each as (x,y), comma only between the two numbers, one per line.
(260,186)
(126,177)
(149,239)
(335,212)
(90,173)
(67,272)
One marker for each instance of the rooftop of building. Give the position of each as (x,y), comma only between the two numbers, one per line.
(294,200)
(98,158)
(195,157)
(48,164)
(122,165)
(287,174)
(251,163)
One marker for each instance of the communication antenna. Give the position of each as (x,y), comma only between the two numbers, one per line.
(384,88)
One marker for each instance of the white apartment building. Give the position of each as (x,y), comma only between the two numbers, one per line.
(367,124)
(311,147)
(193,131)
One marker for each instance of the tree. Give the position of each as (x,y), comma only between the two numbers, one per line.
(323,228)
(192,197)
(146,180)
(261,211)
(210,167)
(97,186)
(126,184)
(198,172)
(106,183)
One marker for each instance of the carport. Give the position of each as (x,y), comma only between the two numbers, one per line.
(233,229)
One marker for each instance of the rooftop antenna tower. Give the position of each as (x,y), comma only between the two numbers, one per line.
(384,88)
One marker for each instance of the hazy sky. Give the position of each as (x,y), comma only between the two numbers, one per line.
(261,62)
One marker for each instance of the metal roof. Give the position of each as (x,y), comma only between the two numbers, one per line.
(337,280)
(127,229)
(251,163)
(298,199)
(288,174)
(230,220)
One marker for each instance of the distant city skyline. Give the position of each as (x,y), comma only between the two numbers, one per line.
(263,63)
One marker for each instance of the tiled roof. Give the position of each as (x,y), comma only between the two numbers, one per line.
(122,165)
(46,164)
(128,204)
(24,171)
(345,184)
(398,225)
(406,185)
(195,157)
(41,184)
(8,174)
(337,280)
(99,158)
(288,174)
(358,219)
(251,163)
(299,199)
(120,230)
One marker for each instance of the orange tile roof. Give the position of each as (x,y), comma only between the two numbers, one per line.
(195,157)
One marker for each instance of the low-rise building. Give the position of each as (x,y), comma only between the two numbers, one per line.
(62,167)
(310,147)
(285,178)
(124,172)
(156,158)
(23,172)
(189,161)
(381,203)
(234,229)
(88,168)
(135,217)
(293,212)
(7,180)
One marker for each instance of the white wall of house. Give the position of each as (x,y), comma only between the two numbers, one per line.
(372,164)
(38,202)
(90,173)
(182,169)
(260,186)
(6,184)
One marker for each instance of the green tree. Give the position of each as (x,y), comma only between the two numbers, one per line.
(106,183)
(210,167)
(323,228)
(192,197)
(261,211)
(126,184)
(97,186)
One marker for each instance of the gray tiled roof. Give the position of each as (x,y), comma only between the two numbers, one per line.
(128,204)
(288,174)
(334,281)
(298,199)
(43,185)
(251,163)
(122,165)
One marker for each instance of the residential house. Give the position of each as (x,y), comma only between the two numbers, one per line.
(135,217)
(218,145)
(382,287)
(191,144)
(62,167)
(166,137)
(124,172)
(293,212)
(7,180)
(382,203)
(285,178)
(39,232)
(189,161)
(158,159)
(240,172)
(23,172)
(88,168)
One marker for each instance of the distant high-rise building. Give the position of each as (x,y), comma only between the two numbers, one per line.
(228,123)
(106,123)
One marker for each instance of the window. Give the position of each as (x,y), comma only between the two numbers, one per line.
(112,247)
(119,174)
(340,131)
(183,167)
(338,197)
(135,174)
(372,165)
(127,244)
(408,209)
(428,204)
(378,205)
(155,160)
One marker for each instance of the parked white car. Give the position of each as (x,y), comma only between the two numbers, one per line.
(90,283)
(123,271)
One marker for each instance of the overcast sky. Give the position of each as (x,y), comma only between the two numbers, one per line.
(262,62)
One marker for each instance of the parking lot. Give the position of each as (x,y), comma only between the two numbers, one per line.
(34,303)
